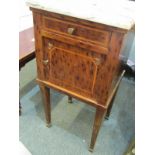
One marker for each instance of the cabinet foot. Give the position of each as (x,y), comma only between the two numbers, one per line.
(70,99)
(90,150)
(48,125)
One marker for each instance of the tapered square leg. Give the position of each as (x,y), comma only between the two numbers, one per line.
(110,107)
(97,124)
(46,101)
(20,109)
(70,99)
(112,96)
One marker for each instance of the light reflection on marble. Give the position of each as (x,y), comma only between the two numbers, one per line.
(117,13)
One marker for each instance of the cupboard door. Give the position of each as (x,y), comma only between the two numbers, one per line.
(71,67)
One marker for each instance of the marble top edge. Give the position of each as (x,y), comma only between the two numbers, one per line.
(120,15)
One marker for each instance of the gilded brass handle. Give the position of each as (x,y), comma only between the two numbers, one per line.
(97,61)
(50,45)
(71,30)
(45,62)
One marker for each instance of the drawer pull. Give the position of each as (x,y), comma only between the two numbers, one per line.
(45,62)
(71,30)
(50,45)
(97,61)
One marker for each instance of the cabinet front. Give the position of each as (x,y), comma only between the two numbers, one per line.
(69,66)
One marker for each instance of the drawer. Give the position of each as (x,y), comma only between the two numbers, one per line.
(76,30)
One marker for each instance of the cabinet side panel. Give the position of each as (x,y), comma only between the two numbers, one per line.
(107,73)
(37,20)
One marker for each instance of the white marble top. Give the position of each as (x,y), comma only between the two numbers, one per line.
(117,13)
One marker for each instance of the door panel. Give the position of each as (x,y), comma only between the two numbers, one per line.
(71,67)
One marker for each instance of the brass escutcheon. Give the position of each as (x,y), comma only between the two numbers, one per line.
(45,62)
(97,61)
(71,30)
(50,45)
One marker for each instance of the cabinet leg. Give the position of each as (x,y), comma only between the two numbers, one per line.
(46,101)
(97,124)
(20,109)
(112,96)
(110,107)
(70,99)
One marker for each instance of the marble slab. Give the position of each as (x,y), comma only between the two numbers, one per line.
(117,13)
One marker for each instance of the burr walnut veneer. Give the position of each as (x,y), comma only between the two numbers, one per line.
(79,58)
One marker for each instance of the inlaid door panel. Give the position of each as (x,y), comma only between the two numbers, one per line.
(71,67)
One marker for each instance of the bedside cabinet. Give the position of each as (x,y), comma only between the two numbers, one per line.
(77,57)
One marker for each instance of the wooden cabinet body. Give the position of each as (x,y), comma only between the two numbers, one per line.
(77,57)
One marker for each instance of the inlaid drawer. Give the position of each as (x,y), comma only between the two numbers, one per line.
(76,30)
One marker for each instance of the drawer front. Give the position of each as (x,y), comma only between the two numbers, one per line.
(76,30)
(71,67)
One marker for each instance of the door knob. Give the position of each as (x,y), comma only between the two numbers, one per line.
(50,45)
(45,62)
(71,30)
(97,61)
